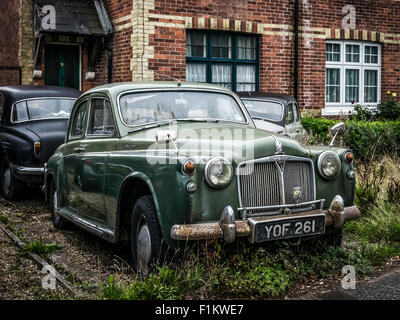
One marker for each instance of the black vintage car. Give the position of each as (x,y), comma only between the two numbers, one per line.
(274,112)
(33,124)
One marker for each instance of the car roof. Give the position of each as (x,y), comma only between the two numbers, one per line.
(15,93)
(267,96)
(118,87)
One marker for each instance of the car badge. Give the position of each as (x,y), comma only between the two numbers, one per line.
(297,194)
(287,212)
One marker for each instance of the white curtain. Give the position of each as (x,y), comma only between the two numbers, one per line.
(245,78)
(222,75)
(196,72)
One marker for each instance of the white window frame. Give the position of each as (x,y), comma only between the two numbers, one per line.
(343,107)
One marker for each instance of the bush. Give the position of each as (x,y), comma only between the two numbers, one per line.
(368,139)
(318,128)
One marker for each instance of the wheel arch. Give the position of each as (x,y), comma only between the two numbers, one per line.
(134,186)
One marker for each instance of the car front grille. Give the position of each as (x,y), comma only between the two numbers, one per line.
(275,183)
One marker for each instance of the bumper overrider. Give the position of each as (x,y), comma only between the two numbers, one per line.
(229,229)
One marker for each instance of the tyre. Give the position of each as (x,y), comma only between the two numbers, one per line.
(11,187)
(58,221)
(148,248)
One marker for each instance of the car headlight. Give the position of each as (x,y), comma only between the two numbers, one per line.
(329,164)
(218,172)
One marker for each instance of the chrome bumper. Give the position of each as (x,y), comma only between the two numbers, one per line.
(29,171)
(228,228)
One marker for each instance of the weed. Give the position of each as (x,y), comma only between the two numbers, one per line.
(3,218)
(40,247)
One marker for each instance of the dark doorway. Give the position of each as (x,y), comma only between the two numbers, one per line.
(62,66)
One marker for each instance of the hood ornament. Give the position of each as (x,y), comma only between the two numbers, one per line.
(278,146)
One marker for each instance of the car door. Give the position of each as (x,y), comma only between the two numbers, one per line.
(90,167)
(73,148)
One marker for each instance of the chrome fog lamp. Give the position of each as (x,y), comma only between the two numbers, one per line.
(218,173)
(329,164)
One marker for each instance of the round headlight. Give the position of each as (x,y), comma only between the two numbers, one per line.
(218,172)
(329,164)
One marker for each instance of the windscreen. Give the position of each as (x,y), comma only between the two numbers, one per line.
(268,110)
(36,109)
(142,108)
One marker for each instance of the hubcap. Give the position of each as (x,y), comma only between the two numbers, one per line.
(143,249)
(7,181)
(55,204)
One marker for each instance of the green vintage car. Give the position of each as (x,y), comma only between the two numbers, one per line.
(162,163)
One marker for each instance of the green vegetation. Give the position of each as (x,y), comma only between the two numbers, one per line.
(3,218)
(40,247)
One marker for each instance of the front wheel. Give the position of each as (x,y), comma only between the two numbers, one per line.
(58,221)
(11,187)
(147,245)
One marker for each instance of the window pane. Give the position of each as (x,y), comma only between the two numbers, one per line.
(371,54)
(289,116)
(195,72)
(77,125)
(20,112)
(222,75)
(332,85)
(101,120)
(245,78)
(246,48)
(333,52)
(352,53)
(196,45)
(371,86)
(352,85)
(221,46)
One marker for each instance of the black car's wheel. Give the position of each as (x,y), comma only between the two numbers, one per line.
(11,187)
(147,246)
(58,221)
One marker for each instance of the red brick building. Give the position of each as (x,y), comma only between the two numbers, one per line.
(330,54)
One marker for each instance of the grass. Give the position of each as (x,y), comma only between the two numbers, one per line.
(3,218)
(41,248)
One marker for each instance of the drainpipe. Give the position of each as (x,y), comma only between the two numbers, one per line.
(296,49)
(110,58)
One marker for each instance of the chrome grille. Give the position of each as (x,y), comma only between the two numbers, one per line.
(297,174)
(270,182)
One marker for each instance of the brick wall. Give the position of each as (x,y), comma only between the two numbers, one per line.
(9,42)
(158,30)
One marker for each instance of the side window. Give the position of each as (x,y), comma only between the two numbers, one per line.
(289,115)
(101,120)
(296,112)
(77,122)
(20,112)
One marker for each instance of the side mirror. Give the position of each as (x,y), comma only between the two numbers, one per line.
(335,130)
(338,128)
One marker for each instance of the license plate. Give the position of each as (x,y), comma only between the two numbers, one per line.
(286,228)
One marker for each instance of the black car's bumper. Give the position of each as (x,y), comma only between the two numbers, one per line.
(29,174)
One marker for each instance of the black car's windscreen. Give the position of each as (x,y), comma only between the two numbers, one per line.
(264,109)
(36,109)
(141,108)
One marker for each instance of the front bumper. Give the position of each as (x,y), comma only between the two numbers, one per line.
(29,174)
(229,229)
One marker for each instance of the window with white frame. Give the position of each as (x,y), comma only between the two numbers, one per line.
(353,72)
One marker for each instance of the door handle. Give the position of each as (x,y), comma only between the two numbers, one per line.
(79,150)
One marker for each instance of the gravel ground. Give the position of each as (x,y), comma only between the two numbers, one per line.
(21,279)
